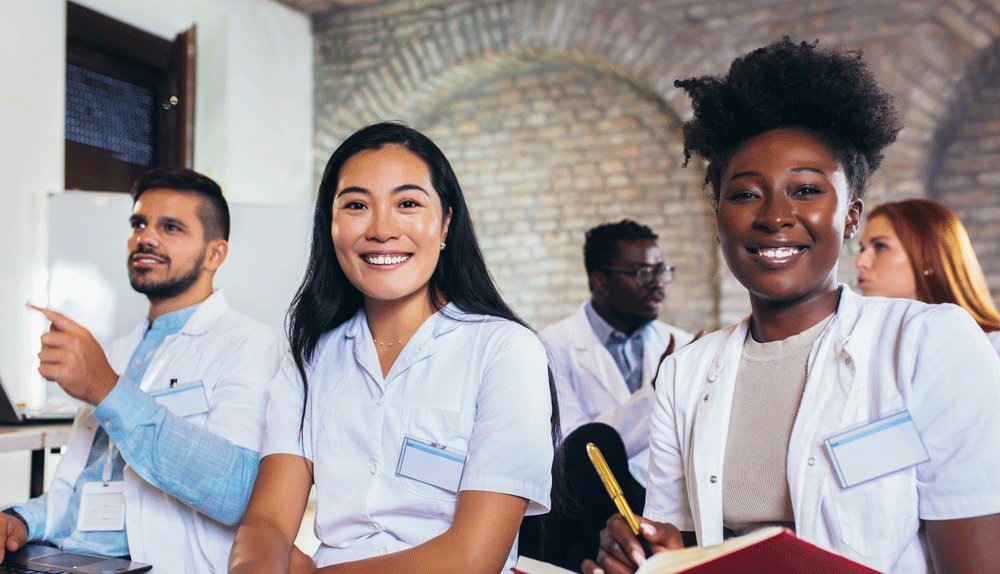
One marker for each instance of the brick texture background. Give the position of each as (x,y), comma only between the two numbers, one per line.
(552,151)
(561,114)
(965,167)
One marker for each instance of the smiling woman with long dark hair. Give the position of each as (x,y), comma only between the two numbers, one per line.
(415,400)
(791,134)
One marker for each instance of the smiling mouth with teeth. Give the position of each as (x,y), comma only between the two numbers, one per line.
(777,253)
(385,260)
(146,259)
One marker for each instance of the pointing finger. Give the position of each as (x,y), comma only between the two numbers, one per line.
(59,321)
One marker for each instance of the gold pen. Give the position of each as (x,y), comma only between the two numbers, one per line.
(611,484)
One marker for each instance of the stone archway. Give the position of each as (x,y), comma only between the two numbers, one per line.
(573,147)
(964,167)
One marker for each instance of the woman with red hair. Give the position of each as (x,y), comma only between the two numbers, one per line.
(918,249)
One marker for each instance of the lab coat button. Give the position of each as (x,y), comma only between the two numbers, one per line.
(811,461)
(847,360)
(383,551)
(705,398)
(374,468)
(378,401)
(712,479)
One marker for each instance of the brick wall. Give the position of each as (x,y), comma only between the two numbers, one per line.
(551,151)
(965,170)
(517,92)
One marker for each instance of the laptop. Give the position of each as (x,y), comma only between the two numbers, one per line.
(45,559)
(11,414)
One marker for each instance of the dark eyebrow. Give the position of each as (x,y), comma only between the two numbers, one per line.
(352,189)
(744,174)
(638,265)
(410,187)
(812,169)
(754,173)
(172,221)
(136,218)
(399,189)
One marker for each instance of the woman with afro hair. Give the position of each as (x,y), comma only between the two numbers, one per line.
(745,415)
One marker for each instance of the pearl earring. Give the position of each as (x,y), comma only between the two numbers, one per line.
(442,246)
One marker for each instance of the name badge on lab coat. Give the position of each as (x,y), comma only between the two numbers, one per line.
(102,507)
(184,400)
(876,449)
(431,463)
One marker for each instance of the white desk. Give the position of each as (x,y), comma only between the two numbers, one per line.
(36,438)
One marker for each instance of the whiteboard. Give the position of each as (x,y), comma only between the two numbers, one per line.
(87,252)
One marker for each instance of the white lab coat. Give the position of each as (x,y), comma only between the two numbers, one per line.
(235,358)
(591,388)
(994,338)
(473,384)
(876,357)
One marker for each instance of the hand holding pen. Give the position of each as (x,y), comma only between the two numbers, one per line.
(628,539)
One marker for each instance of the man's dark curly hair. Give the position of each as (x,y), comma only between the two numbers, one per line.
(600,246)
(830,94)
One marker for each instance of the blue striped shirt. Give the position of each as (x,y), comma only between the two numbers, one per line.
(627,351)
(203,470)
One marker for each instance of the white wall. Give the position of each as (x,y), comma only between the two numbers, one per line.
(254,100)
(253,130)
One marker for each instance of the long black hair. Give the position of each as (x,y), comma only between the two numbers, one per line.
(327,299)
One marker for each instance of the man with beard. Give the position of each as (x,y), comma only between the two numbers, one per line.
(164,453)
(603,359)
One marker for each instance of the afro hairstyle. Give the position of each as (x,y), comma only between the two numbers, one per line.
(830,94)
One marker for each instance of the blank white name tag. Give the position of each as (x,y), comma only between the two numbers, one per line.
(876,449)
(431,463)
(102,506)
(184,400)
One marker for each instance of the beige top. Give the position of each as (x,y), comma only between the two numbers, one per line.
(769,385)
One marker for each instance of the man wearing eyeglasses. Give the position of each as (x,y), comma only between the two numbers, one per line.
(603,359)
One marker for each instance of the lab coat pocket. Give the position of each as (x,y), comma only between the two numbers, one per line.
(877,517)
(188,400)
(446,429)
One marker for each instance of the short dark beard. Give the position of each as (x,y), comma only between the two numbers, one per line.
(634,321)
(169,288)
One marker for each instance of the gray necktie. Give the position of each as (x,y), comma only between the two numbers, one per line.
(626,361)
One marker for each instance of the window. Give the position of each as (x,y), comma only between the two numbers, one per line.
(129,101)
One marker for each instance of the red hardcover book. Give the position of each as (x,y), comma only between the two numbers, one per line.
(772,550)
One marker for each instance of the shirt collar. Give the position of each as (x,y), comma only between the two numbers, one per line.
(446,319)
(172,322)
(603,330)
(844,324)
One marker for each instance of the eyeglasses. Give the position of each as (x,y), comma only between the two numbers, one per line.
(644,275)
